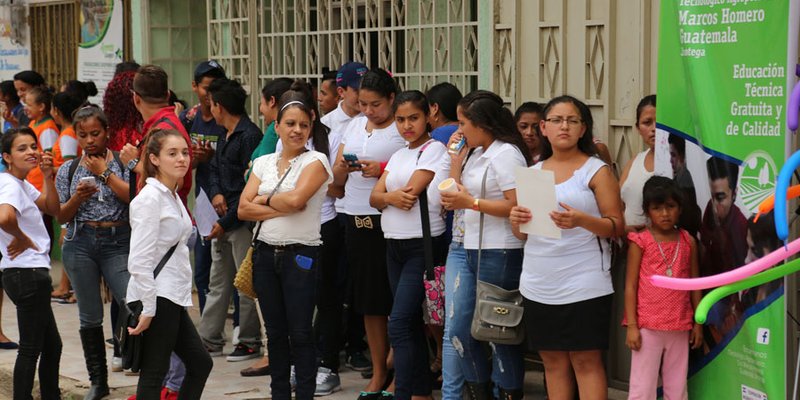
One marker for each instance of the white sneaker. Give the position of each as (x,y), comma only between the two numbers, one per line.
(235,339)
(116,364)
(327,382)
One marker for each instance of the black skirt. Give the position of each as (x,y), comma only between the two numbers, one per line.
(366,254)
(568,327)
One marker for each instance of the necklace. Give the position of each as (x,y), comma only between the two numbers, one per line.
(669,264)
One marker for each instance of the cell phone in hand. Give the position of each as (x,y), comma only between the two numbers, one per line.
(88,180)
(351,159)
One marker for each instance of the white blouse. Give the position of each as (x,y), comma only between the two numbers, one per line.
(576,267)
(297,228)
(377,146)
(159,220)
(498,163)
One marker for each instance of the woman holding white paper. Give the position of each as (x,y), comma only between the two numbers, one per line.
(567,282)
(487,191)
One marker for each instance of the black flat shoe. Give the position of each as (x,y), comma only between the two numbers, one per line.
(369,395)
(262,371)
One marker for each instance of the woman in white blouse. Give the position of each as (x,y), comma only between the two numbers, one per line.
(160,228)
(25,267)
(285,192)
(487,192)
(371,139)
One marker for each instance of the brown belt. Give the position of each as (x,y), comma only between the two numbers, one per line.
(104,224)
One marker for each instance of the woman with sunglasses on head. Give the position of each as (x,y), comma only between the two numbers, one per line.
(566,282)
(285,192)
(94,194)
(25,245)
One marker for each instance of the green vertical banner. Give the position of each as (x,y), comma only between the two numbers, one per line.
(724,70)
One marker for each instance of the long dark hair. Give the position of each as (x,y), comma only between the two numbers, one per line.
(485,110)
(586,142)
(301,93)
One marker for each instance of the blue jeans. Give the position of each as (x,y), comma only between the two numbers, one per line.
(285,279)
(452,377)
(202,269)
(405,261)
(90,253)
(29,289)
(501,267)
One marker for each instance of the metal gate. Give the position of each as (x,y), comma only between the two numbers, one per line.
(55,35)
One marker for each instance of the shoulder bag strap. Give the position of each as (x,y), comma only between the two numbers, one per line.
(275,190)
(427,239)
(480,232)
(164,260)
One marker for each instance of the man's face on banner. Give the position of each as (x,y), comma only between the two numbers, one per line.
(676,159)
(722,198)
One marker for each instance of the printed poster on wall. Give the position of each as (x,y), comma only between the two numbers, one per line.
(724,72)
(15,55)
(100,49)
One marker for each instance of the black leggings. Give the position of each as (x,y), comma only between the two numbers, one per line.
(29,289)
(172,330)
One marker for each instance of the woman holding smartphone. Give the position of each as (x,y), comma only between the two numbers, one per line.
(25,245)
(371,139)
(94,195)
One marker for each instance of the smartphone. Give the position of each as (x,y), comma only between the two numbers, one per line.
(88,180)
(456,147)
(351,159)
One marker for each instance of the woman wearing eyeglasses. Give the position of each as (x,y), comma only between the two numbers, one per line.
(94,195)
(566,282)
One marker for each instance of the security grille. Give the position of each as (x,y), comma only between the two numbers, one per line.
(420,42)
(54,40)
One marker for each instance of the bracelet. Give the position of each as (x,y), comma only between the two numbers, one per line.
(268,200)
(476,205)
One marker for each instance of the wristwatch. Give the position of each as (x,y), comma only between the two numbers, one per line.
(132,164)
(104,176)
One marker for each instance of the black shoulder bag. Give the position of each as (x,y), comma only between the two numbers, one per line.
(131,345)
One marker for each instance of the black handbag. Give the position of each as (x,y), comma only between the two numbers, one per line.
(131,345)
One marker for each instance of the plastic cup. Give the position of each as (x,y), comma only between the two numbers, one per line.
(448,186)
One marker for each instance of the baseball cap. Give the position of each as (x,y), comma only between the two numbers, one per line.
(208,68)
(349,75)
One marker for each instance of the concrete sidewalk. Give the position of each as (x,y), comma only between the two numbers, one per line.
(224,382)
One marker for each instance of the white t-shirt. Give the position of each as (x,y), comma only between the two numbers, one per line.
(297,228)
(334,139)
(336,120)
(376,146)
(21,195)
(501,159)
(401,224)
(570,269)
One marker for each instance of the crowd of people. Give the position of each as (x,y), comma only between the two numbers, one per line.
(338,203)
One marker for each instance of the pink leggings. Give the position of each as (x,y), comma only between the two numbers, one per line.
(646,362)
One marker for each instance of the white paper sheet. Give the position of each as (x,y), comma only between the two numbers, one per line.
(204,214)
(536,191)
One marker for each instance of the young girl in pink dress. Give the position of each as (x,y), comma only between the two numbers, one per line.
(659,321)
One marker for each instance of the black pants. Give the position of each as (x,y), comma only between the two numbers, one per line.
(329,301)
(285,279)
(172,330)
(29,289)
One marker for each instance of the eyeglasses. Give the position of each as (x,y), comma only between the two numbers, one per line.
(572,122)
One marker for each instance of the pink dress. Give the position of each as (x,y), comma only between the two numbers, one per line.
(659,308)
